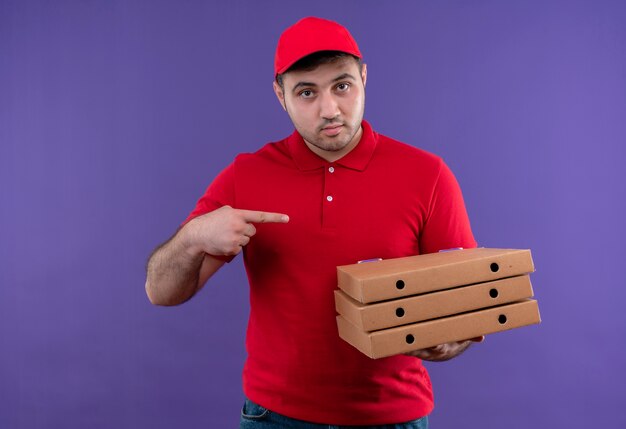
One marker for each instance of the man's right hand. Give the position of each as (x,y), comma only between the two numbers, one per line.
(226,230)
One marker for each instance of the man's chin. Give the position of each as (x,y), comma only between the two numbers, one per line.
(332,146)
(333,143)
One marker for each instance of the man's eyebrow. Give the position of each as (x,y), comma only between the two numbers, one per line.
(301,84)
(344,76)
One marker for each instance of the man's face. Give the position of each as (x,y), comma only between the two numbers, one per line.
(326,105)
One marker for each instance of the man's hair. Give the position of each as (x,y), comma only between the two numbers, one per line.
(316,59)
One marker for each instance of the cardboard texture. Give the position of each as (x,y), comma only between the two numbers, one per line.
(400,277)
(371,317)
(403,339)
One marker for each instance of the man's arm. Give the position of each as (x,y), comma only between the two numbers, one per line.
(181,266)
(448,226)
(175,274)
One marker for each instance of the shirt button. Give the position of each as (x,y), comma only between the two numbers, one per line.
(331,169)
(329,198)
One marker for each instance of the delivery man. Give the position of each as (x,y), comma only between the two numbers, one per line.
(332,193)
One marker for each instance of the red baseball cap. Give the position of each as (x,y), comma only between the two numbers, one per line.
(311,35)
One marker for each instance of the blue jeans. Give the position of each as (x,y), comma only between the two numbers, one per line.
(254,416)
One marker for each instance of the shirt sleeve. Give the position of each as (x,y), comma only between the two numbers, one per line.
(219,193)
(447,225)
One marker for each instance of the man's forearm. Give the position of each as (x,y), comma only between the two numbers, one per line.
(172,273)
(178,268)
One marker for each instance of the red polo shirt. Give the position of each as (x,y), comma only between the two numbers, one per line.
(384,199)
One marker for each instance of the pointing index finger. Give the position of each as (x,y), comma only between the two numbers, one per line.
(263,217)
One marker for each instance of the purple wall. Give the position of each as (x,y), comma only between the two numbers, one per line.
(115,115)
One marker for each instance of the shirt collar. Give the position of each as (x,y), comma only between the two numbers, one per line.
(356,159)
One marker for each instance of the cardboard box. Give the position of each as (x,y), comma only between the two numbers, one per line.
(372,317)
(413,275)
(402,339)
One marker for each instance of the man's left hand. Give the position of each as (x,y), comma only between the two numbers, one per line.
(445,351)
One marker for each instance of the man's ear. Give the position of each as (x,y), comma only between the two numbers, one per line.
(280,94)
(364,74)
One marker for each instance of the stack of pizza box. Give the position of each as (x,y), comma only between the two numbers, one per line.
(395,306)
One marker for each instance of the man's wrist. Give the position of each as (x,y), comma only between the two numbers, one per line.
(186,241)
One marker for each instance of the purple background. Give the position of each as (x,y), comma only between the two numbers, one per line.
(114,116)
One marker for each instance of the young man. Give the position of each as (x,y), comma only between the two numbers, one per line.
(333,193)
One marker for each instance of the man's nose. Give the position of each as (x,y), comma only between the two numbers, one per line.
(329,108)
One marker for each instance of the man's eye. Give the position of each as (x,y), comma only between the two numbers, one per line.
(343,86)
(307,93)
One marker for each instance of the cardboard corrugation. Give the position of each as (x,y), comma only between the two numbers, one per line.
(393,341)
(400,277)
(381,315)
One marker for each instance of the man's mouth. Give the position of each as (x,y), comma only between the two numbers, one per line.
(332,130)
